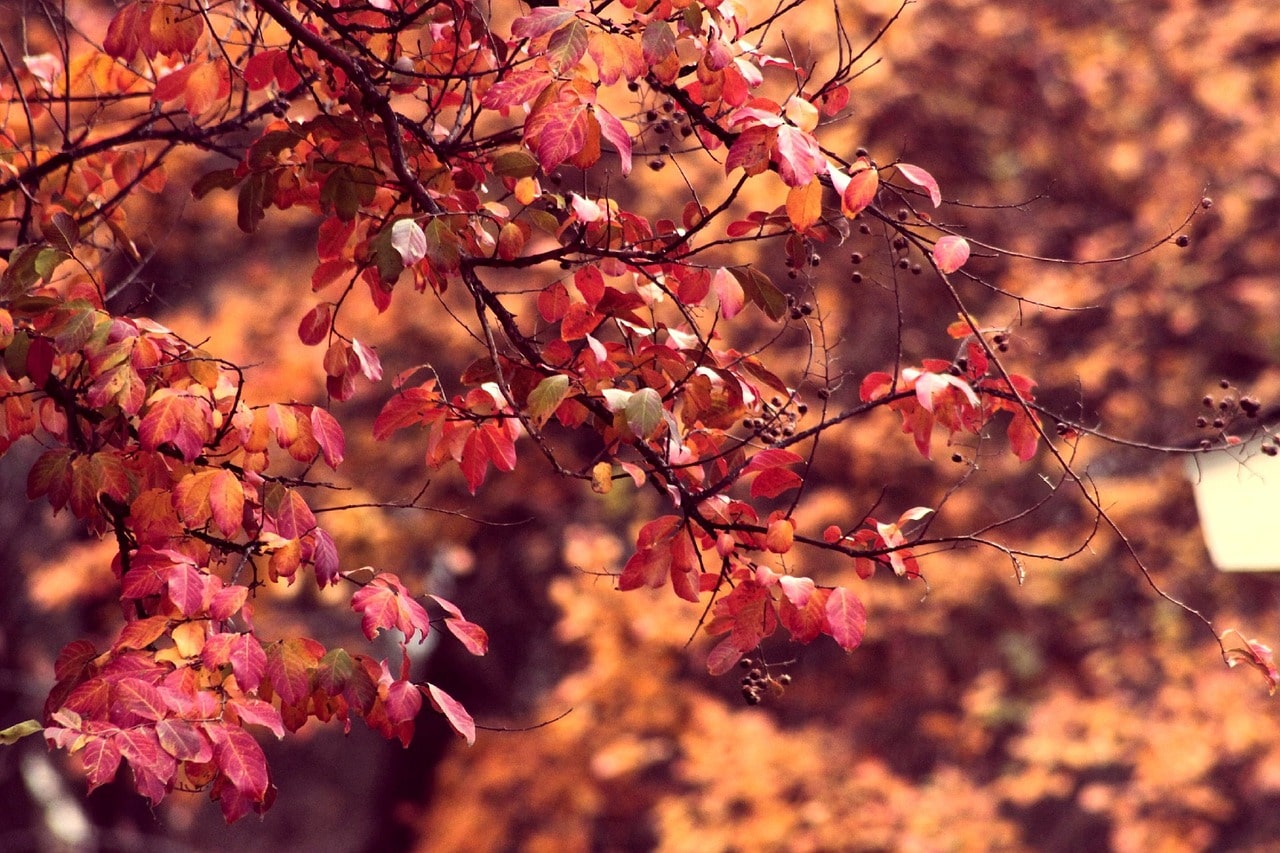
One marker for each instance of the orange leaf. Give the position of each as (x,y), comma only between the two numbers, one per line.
(804,205)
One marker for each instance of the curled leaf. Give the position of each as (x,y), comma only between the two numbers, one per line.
(921,178)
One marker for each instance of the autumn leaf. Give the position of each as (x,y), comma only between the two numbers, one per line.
(921,178)
(950,253)
(804,205)
(847,618)
(454,712)
(384,603)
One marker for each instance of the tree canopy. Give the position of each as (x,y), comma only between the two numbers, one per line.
(629,216)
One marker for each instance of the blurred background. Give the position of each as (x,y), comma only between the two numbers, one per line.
(1076,710)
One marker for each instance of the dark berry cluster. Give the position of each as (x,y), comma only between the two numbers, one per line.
(759,684)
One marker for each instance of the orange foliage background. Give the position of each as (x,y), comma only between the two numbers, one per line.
(1074,711)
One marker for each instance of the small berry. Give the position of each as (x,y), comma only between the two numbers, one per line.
(864,228)
(1202,422)
(656,164)
(903,263)
(806,308)
(1206,401)
(784,679)
(1206,203)
(1250,406)
(860,152)
(824,393)
(1219,423)
(899,242)
(957,458)
(856,278)
(746,663)
(1183,241)
(855,258)
(803,408)
(795,314)
(1205,444)
(1270,449)
(1224,384)
(916,269)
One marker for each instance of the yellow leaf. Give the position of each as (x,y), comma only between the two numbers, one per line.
(15,733)
(602,478)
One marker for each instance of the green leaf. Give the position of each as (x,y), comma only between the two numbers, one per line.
(218,179)
(760,289)
(546,397)
(644,412)
(15,733)
(515,164)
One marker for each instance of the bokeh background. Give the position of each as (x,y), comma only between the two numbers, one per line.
(1075,710)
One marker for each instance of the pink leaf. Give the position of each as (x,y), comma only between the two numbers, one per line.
(847,617)
(921,178)
(384,603)
(328,434)
(612,130)
(729,291)
(950,253)
(454,712)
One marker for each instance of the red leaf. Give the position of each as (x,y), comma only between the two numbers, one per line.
(454,712)
(314,327)
(1024,437)
(101,758)
(178,420)
(950,253)
(328,434)
(153,768)
(188,589)
(73,659)
(647,567)
(183,740)
(256,712)
(774,481)
(248,661)
(519,87)
(259,70)
(241,760)
(861,191)
(847,617)
(472,636)
(541,21)
(411,406)
(722,658)
(290,664)
(402,704)
(805,617)
(384,603)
